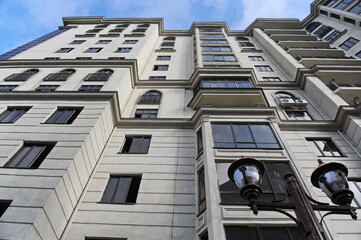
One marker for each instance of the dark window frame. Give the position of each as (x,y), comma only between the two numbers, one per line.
(12,114)
(4,205)
(46,88)
(161,68)
(150,97)
(121,189)
(329,144)
(93,50)
(349,43)
(90,88)
(64,115)
(64,50)
(123,50)
(130,141)
(202,202)
(146,113)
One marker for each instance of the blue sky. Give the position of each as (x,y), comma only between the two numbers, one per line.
(24,20)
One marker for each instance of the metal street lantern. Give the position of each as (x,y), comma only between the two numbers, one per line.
(247,174)
(331,178)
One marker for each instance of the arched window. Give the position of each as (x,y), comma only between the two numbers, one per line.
(101,75)
(22,76)
(63,75)
(312,26)
(150,97)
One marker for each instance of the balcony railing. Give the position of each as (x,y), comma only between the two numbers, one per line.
(229,83)
(334,85)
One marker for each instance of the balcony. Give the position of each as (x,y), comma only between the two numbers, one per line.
(306,44)
(270,32)
(230,92)
(296,37)
(348,91)
(309,61)
(316,53)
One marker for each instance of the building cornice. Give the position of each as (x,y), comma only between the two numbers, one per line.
(158,123)
(314,7)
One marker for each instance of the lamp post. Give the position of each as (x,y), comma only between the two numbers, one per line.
(247,174)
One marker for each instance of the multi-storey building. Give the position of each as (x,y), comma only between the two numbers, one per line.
(119,129)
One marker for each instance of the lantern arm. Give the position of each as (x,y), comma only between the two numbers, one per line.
(352,212)
(268,207)
(315,201)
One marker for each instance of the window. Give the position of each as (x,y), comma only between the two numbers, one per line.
(356,9)
(150,97)
(31,155)
(349,20)
(322,31)
(336,16)
(255,58)
(101,26)
(146,113)
(214,42)
(12,114)
(329,3)
(141,30)
(123,50)
(211,35)
(83,58)
(125,25)
(117,30)
(94,30)
(116,58)
(64,50)
(77,42)
(298,115)
(222,58)
(101,75)
(64,116)
(210,30)
(332,36)
(357,55)
(46,88)
(263,233)
(121,189)
(104,41)
(271,79)
(90,88)
(244,136)
(4,88)
(225,83)
(324,147)
(241,38)
(200,142)
(349,43)
(169,39)
(60,76)
(167,44)
(22,76)
(246,44)
(204,236)
(93,50)
(163,58)
(221,66)
(136,144)
(273,184)
(312,26)
(202,205)
(4,204)
(264,68)
(157,78)
(160,68)
(344,4)
(143,25)
(216,49)
(130,41)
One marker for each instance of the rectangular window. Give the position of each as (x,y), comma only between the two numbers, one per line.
(329,3)
(244,136)
(12,114)
(202,205)
(116,30)
(298,115)
(266,232)
(136,144)
(167,44)
(264,68)
(324,147)
(356,9)
(130,41)
(214,42)
(160,67)
(357,55)
(211,35)
(90,88)
(216,49)
(219,58)
(163,58)
(146,113)
(31,155)
(332,36)
(273,184)
(322,31)
(199,142)
(344,4)
(4,204)
(77,42)
(271,79)
(140,30)
(349,43)
(64,116)
(123,50)
(46,88)
(121,189)
(246,44)
(104,41)
(157,78)
(93,50)
(83,58)
(255,58)
(225,83)
(64,50)
(7,87)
